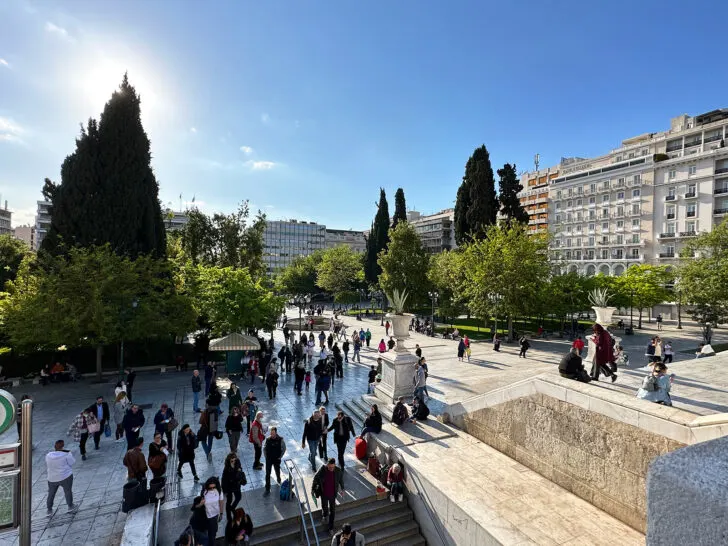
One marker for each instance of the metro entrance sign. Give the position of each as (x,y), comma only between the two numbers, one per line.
(8,409)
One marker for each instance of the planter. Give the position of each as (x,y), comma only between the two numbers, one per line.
(400,325)
(604,315)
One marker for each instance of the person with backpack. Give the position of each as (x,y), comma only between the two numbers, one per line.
(656,386)
(312,430)
(186,445)
(327,483)
(233,479)
(274,449)
(250,408)
(400,414)
(256,437)
(343,431)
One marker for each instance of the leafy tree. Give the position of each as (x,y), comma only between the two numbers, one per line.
(405,264)
(462,203)
(564,295)
(400,208)
(340,273)
(483,209)
(377,240)
(504,271)
(230,300)
(446,274)
(108,192)
(12,252)
(508,188)
(94,297)
(299,277)
(643,285)
(703,279)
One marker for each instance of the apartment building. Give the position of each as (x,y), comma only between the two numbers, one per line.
(353,239)
(42,222)
(284,240)
(691,181)
(26,234)
(6,221)
(436,231)
(534,197)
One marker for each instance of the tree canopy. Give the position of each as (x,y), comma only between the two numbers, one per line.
(405,264)
(400,208)
(508,188)
(446,275)
(299,277)
(340,273)
(12,252)
(643,286)
(482,208)
(108,192)
(377,240)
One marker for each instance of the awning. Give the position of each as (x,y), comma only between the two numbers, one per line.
(235,342)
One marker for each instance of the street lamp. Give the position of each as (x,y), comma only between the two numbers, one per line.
(124,314)
(433,296)
(631,297)
(497,298)
(300,302)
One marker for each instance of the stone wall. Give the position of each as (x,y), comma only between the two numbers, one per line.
(597,458)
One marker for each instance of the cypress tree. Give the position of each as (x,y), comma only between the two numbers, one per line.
(483,209)
(400,208)
(462,203)
(108,192)
(508,188)
(377,240)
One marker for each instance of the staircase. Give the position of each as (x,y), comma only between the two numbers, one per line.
(381,522)
(359,408)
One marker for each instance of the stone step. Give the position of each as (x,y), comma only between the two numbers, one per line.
(280,533)
(411,540)
(390,514)
(394,535)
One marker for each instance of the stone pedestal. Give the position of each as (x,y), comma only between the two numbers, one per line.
(398,369)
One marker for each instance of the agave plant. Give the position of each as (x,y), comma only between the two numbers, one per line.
(398,300)
(599,297)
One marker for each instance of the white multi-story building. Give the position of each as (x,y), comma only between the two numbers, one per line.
(284,240)
(42,222)
(353,239)
(6,221)
(436,231)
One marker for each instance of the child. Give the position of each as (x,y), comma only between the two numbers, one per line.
(308,379)
(372,379)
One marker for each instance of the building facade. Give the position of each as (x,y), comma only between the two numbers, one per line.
(534,197)
(436,231)
(26,234)
(42,222)
(353,239)
(174,220)
(6,221)
(284,240)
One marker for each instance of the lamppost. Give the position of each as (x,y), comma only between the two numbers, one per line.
(433,296)
(300,302)
(631,297)
(379,295)
(124,314)
(497,298)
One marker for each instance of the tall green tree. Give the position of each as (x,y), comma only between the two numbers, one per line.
(377,240)
(340,273)
(483,209)
(405,264)
(12,252)
(446,275)
(643,285)
(93,297)
(108,192)
(299,277)
(508,188)
(400,208)
(462,204)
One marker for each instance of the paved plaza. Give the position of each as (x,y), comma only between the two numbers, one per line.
(98,481)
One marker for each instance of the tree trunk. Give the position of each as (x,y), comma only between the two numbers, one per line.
(639,323)
(99,353)
(510,328)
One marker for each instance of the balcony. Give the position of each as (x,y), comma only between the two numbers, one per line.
(667,254)
(688,234)
(720,191)
(712,138)
(693,143)
(675,146)
(669,235)
(720,212)
(603,189)
(691,195)
(670,197)
(670,216)
(691,214)
(721,170)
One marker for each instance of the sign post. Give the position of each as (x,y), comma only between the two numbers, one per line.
(26,469)
(9,466)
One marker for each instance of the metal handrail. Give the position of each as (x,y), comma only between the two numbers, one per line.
(291,466)
(155,530)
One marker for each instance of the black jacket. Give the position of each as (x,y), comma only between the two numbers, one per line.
(271,379)
(317,486)
(234,423)
(196,383)
(214,398)
(421,411)
(186,445)
(232,529)
(198,521)
(232,479)
(130,377)
(571,364)
(312,430)
(299,372)
(274,448)
(343,430)
(399,414)
(104,410)
(374,420)
(132,421)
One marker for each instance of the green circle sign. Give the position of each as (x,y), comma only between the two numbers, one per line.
(8,409)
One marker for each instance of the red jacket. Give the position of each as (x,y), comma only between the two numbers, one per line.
(579,344)
(256,435)
(395,478)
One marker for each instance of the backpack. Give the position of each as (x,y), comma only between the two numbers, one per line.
(399,415)
(383,473)
(649,383)
(285,492)
(373,466)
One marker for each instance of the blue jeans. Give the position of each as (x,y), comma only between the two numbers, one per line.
(195,401)
(207,385)
(367,430)
(207,444)
(312,447)
(419,391)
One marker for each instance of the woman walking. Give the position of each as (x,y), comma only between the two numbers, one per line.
(233,478)
(461,350)
(157,460)
(121,405)
(604,356)
(82,425)
(525,345)
(239,529)
(212,494)
(235,398)
(234,427)
(186,445)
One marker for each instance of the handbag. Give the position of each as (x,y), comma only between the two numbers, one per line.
(173,424)
(218,434)
(107,430)
(93,427)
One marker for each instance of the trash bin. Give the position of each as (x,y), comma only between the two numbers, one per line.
(156,486)
(130,493)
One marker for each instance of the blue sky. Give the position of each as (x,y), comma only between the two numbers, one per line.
(307,108)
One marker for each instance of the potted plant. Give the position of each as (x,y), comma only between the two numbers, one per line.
(400,320)
(599,298)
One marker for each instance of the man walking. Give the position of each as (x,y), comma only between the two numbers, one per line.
(209,373)
(196,388)
(135,463)
(327,483)
(312,430)
(343,431)
(101,411)
(59,466)
(133,423)
(348,537)
(256,437)
(274,449)
(420,381)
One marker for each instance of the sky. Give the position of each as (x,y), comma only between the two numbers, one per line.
(306,109)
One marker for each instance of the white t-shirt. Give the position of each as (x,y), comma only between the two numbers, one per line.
(212,503)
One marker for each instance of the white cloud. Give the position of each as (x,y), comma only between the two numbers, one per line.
(58,31)
(247,150)
(264,117)
(25,216)
(260,165)
(4,63)
(193,130)
(10,131)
